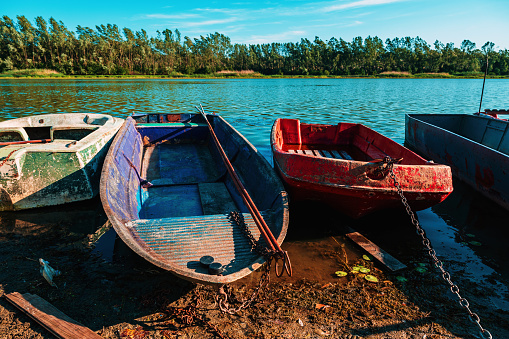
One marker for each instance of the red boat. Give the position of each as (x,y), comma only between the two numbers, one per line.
(348,166)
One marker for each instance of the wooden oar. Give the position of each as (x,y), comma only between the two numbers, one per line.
(41,141)
(257,217)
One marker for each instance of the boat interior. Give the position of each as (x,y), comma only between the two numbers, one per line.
(72,127)
(344,141)
(187,173)
(482,129)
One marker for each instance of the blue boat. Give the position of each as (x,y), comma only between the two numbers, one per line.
(476,146)
(170,198)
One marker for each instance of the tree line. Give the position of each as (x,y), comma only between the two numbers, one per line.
(109,50)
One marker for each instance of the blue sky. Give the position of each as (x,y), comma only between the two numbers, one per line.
(252,22)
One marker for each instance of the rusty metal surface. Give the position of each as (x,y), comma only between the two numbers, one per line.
(314,169)
(179,219)
(59,171)
(476,147)
(179,243)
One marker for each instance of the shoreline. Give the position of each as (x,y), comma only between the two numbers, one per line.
(237,76)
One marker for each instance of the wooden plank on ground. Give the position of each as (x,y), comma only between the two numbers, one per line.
(385,258)
(50,317)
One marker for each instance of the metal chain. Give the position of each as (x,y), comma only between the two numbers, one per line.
(427,243)
(223,302)
(238,219)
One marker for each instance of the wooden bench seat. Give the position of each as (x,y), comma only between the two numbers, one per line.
(333,154)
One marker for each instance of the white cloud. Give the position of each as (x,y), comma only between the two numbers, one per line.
(356,4)
(208,22)
(168,16)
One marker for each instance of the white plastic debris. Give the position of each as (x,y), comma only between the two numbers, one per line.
(48,272)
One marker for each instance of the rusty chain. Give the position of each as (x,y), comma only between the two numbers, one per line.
(223,296)
(388,163)
(189,316)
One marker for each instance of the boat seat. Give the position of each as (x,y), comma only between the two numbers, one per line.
(333,154)
(182,241)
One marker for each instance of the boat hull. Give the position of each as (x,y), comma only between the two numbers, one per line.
(65,168)
(184,215)
(476,147)
(348,183)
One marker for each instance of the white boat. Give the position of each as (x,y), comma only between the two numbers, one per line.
(53,159)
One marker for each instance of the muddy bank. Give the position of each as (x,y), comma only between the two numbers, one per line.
(118,295)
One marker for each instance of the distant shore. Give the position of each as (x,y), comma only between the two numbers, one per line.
(49,74)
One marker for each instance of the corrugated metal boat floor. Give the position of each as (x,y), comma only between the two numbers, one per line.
(182,241)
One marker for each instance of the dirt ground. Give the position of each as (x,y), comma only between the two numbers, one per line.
(119,295)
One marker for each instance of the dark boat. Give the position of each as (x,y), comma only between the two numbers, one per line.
(344,166)
(476,146)
(181,215)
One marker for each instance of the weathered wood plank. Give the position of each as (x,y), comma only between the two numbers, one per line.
(385,258)
(50,317)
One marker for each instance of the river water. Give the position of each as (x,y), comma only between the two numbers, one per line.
(469,234)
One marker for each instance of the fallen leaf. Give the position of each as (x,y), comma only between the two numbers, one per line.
(322,307)
(371,278)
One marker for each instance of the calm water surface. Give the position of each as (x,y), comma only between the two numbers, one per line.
(252,105)
(466,230)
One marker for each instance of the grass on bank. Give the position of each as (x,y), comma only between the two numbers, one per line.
(48,73)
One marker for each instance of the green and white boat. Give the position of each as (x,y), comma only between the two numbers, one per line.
(53,159)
